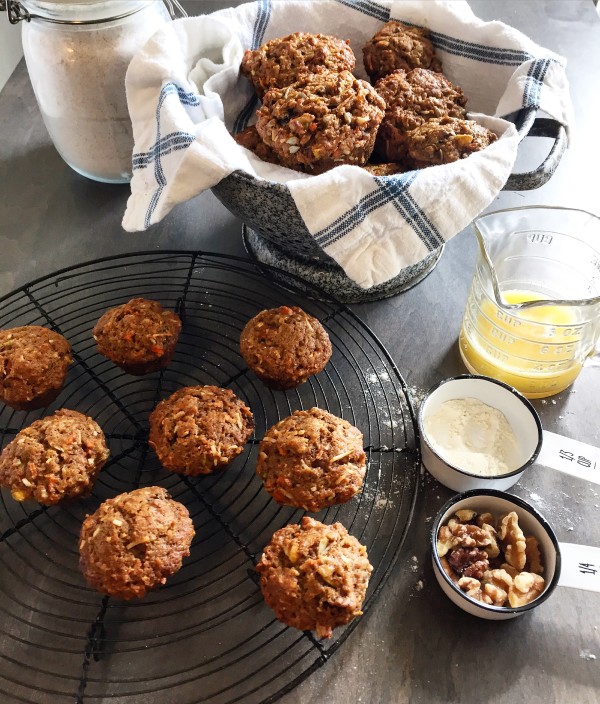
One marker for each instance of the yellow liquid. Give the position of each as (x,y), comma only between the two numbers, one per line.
(536,350)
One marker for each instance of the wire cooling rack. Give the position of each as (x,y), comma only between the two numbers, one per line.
(207,635)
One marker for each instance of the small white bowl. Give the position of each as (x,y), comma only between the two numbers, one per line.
(532,523)
(520,414)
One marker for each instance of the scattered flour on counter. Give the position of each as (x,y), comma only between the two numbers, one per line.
(587,655)
(536,497)
(472,436)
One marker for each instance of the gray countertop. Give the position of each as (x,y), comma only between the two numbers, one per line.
(413,645)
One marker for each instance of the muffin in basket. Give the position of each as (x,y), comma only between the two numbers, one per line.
(312,460)
(398,45)
(280,62)
(33,366)
(134,542)
(321,121)
(284,346)
(55,458)
(314,576)
(412,99)
(139,336)
(199,429)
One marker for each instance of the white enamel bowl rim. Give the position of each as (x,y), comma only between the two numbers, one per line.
(521,504)
(483,380)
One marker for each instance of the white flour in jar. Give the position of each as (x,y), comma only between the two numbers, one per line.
(472,436)
(78,76)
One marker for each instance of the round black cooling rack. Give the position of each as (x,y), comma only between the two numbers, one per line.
(207,635)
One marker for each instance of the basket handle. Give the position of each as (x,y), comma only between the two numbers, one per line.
(528,125)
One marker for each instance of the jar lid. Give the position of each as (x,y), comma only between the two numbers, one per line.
(82,11)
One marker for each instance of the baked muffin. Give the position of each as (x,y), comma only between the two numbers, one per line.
(250,139)
(387,169)
(280,62)
(55,458)
(134,542)
(447,139)
(139,336)
(199,429)
(398,45)
(412,99)
(314,576)
(284,346)
(33,366)
(321,121)
(312,460)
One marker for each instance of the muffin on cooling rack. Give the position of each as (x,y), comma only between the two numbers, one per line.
(55,458)
(398,45)
(134,542)
(412,99)
(279,62)
(312,460)
(321,121)
(138,336)
(314,576)
(199,429)
(33,366)
(284,346)
(447,139)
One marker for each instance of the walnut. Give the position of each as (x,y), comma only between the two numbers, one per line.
(470,536)
(445,541)
(513,540)
(499,578)
(497,595)
(470,563)
(448,570)
(471,586)
(485,518)
(525,588)
(512,571)
(492,548)
(465,515)
(533,555)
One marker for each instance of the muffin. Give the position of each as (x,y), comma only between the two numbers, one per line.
(55,458)
(139,336)
(199,429)
(398,45)
(447,139)
(250,139)
(134,542)
(412,99)
(314,576)
(280,62)
(321,121)
(284,346)
(387,169)
(312,460)
(33,366)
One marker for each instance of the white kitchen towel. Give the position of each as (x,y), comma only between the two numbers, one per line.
(186,95)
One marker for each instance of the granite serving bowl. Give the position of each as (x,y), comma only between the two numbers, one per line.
(531,522)
(276,235)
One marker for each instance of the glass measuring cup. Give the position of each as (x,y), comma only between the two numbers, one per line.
(533,312)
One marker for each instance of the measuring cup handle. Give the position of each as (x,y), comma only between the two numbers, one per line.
(529,126)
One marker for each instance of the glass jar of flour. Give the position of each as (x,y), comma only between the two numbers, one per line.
(77,54)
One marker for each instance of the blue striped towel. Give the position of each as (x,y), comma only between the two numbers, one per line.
(186,95)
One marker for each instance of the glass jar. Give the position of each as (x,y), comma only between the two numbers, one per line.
(77,54)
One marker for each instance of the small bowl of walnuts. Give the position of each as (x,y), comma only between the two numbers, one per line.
(494,555)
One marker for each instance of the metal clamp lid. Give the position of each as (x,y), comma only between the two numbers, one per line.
(17,13)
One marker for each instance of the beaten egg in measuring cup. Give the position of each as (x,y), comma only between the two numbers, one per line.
(533,350)
(533,312)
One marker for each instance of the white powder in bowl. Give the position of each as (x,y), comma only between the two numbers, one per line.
(472,436)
